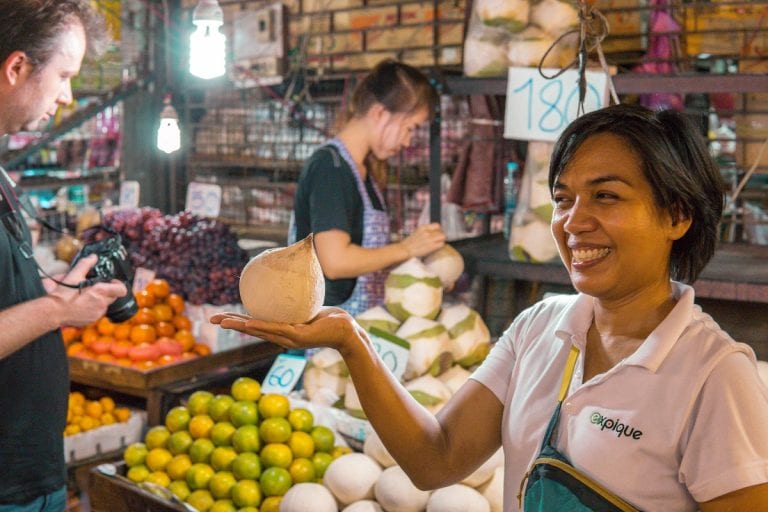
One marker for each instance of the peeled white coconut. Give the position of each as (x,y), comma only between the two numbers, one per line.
(429,392)
(363,506)
(326,370)
(396,493)
(532,241)
(457,498)
(316,378)
(484,473)
(308,496)
(430,347)
(493,490)
(484,57)
(378,317)
(447,263)
(470,337)
(511,15)
(351,477)
(554,16)
(762,370)
(284,285)
(412,289)
(374,448)
(351,401)
(454,378)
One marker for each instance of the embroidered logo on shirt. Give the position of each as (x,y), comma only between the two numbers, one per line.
(615,425)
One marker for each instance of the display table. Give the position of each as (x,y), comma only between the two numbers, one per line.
(161,385)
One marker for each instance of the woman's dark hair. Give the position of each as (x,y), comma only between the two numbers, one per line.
(684,177)
(399,87)
(34,26)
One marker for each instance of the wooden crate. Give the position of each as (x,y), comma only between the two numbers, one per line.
(113,494)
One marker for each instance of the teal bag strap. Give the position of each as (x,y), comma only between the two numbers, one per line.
(570,364)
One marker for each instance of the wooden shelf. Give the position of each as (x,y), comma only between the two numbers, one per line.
(735,273)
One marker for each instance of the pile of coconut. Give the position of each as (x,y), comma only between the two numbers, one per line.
(446,341)
(372,482)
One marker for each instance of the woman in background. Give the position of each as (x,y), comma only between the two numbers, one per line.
(341,201)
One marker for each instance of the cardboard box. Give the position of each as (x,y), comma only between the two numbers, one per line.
(106,439)
(722,29)
(361,61)
(308,24)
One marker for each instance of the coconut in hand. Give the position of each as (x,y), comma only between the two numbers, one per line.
(284,284)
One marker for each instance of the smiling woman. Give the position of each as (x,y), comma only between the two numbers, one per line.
(628,380)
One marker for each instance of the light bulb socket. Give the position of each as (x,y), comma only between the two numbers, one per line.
(208,10)
(169,113)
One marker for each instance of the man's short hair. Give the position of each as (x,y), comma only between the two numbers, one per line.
(34,26)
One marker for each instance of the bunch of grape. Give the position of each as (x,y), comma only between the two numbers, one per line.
(199,257)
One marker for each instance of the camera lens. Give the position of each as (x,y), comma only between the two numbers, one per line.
(123,308)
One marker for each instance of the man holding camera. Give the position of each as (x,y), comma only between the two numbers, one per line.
(42,44)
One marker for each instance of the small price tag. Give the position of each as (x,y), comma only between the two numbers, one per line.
(284,374)
(141,278)
(204,199)
(392,350)
(129,194)
(539,108)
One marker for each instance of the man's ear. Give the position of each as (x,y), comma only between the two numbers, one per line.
(14,67)
(680,226)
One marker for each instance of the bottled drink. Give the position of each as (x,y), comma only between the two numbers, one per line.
(510,195)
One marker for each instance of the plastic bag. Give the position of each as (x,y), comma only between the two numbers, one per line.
(530,238)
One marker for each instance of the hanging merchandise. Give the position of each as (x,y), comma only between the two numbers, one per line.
(530,238)
(207,45)
(477,182)
(663,49)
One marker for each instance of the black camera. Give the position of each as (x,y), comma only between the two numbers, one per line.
(112,264)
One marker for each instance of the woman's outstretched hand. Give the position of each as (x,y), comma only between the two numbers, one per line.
(332,327)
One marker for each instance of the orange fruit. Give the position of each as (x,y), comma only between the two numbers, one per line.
(122,413)
(135,454)
(70,334)
(302,470)
(165,329)
(186,339)
(273,405)
(200,499)
(105,358)
(145,299)
(323,437)
(301,444)
(144,316)
(176,302)
(101,345)
(222,458)
(181,322)
(143,333)
(247,465)
(158,458)
(180,489)
(301,419)
(201,349)
(271,504)
(177,418)
(321,461)
(246,439)
(222,432)
(123,361)
(198,402)
(163,312)
(276,455)
(275,481)
(122,331)
(200,426)
(143,366)
(198,476)
(277,430)
(246,493)
(178,466)
(159,288)
(246,388)
(94,409)
(74,348)
(221,484)
(89,335)
(105,326)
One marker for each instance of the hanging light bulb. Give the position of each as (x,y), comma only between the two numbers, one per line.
(169,134)
(207,58)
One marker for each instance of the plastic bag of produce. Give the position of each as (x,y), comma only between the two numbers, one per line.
(554,16)
(511,15)
(412,289)
(529,46)
(530,238)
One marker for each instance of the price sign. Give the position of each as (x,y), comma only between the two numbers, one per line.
(284,374)
(392,350)
(204,199)
(539,108)
(129,194)
(141,278)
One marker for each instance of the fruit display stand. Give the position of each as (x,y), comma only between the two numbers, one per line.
(161,386)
